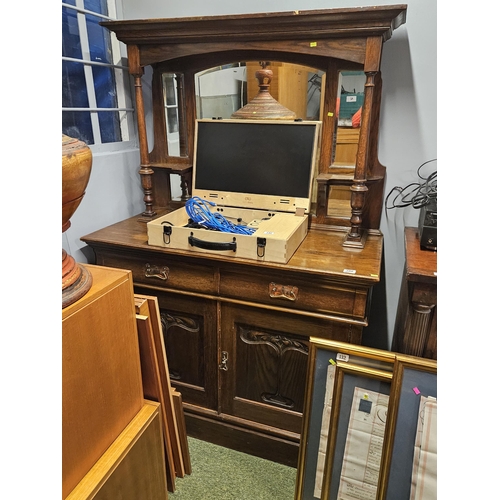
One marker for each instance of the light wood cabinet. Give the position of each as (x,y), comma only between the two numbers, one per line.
(132,467)
(105,422)
(101,373)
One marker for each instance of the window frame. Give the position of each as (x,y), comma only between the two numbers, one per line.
(123,81)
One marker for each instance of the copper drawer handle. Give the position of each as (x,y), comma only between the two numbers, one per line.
(277,291)
(156,272)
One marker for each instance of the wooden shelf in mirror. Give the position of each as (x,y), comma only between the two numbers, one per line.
(173,168)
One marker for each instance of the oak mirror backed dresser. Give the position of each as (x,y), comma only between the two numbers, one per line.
(237,330)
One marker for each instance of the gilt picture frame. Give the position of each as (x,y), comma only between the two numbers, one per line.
(345,417)
(410,460)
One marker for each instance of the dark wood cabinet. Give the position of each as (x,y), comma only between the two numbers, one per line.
(415,331)
(266,366)
(236,330)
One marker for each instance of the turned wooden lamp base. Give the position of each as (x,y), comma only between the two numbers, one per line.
(264,106)
(76,280)
(76,168)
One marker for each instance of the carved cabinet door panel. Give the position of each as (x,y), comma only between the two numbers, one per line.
(190,334)
(264,368)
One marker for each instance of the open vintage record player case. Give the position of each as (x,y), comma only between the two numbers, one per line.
(256,174)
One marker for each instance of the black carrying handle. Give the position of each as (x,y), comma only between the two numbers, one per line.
(212,245)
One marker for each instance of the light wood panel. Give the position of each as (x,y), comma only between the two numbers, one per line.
(101,375)
(133,467)
(152,381)
(181,421)
(156,381)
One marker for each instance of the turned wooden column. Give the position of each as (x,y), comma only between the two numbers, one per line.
(145,170)
(355,237)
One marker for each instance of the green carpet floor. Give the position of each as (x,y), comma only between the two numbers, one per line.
(223,474)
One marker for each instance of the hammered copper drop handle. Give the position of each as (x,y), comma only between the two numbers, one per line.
(277,291)
(156,272)
(224,359)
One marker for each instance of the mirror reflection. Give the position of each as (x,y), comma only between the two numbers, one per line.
(220,91)
(350,100)
(223,90)
(171,104)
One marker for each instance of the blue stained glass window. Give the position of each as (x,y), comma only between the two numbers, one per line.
(99,40)
(100,6)
(74,89)
(90,67)
(77,124)
(105,92)
(105,88)
(109,122)
(71,46)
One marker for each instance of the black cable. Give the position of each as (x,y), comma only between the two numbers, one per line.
(416,195)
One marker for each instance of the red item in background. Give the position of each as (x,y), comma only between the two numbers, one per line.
(356,117)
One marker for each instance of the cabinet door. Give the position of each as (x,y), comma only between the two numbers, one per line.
(190,334)
(266,363)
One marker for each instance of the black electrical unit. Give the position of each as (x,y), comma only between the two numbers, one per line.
(427,226)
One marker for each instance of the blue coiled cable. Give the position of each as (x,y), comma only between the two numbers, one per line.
(199,212)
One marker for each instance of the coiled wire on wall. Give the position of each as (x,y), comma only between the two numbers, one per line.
(199,212)
(415,194)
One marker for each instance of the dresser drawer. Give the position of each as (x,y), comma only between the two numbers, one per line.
(294,293)
(163,271)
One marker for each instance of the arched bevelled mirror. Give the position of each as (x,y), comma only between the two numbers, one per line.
(222,90)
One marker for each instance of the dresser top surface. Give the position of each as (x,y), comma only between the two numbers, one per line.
(421,265)
(321,252)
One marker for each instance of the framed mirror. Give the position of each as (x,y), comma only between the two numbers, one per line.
(222,90)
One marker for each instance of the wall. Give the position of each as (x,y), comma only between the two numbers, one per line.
(114,190)
(408,131)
